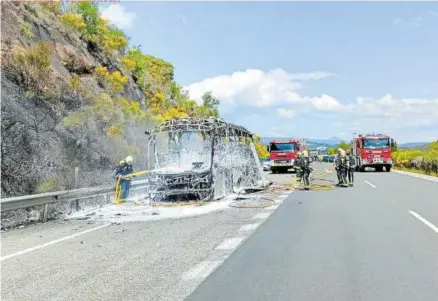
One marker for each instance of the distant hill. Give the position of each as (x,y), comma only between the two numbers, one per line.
(323,142)
(413,144)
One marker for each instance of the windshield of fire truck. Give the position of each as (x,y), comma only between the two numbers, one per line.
(376,143)
(283,147)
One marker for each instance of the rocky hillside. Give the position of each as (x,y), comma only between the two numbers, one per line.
(75,95)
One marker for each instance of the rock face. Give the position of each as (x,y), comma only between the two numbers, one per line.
(35,147)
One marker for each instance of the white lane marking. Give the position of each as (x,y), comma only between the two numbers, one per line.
(411,174)
(283,197)
(201,270)
(372,185)
(204,269)
(53,242)
(249,227)
(425,221)
(273,207)
(261,215)
(230,244)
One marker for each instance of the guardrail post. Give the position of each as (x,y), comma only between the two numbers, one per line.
(108,198)
(45,213)
(76,187)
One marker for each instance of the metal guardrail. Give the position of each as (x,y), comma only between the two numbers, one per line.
(26,201)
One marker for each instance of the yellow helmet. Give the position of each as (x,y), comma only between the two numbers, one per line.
(128,159)
(122,162)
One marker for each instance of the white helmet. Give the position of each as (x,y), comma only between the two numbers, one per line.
(128,159)
(305,154)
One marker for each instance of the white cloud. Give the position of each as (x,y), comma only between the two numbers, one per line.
(277,95)
(415,22)
(254,87)
(117,15)
(402,112)
(308,76)
(285,113)
(326,103)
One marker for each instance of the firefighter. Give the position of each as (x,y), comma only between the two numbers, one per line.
(297,166)
(306,169)
(351,167)
(341,164)
(125,182)
(118,169)
(337,165)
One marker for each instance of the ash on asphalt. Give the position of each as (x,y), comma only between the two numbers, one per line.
(252,202)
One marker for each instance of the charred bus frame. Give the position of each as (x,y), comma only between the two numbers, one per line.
(208,183)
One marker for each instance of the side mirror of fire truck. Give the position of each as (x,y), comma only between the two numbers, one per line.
(268,148)
(391,142)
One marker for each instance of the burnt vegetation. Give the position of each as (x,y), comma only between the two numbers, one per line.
(75,94)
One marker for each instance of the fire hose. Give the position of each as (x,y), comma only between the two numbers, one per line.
(318,176)
(119,179)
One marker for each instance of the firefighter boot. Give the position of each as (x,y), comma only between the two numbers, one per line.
(339,179)
(344,182)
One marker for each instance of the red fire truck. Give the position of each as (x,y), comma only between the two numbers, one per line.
(283,153)
(373,150)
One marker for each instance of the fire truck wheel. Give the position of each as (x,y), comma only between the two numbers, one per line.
(388,168)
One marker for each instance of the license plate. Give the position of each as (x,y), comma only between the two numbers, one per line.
(378,160)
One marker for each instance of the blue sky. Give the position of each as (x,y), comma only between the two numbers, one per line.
(304,69)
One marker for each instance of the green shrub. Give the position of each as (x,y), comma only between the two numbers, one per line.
(33,64)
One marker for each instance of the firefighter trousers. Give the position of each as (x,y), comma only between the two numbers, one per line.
(351,175)
(342,175)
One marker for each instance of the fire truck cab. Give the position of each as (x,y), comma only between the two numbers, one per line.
(373,150)
(282,153)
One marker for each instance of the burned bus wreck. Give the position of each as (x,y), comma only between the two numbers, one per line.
(201,159)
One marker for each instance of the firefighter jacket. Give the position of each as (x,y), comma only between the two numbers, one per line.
(342,162)
(118,170)
(298,163)
(305,165)
(127,169)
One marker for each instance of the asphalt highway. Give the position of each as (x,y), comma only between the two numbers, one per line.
(376,241)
